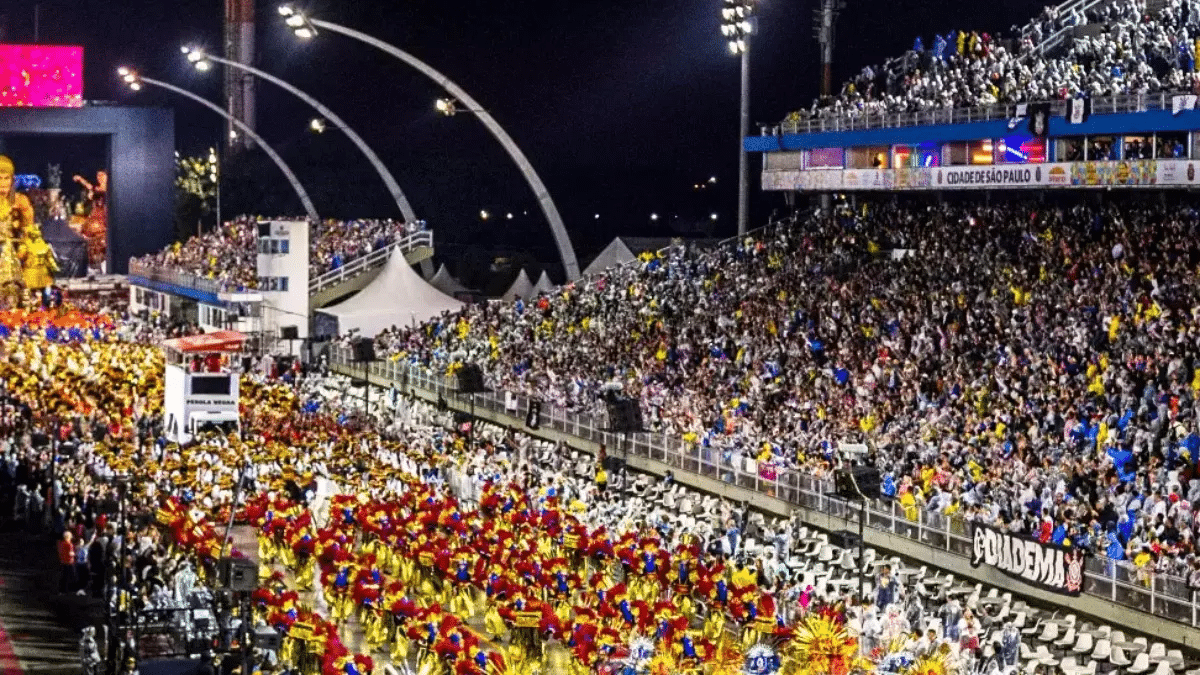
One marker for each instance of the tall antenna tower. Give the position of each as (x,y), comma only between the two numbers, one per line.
(239,85)
(823,29)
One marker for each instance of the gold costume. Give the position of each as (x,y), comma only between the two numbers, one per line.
(38,260)
(20,240)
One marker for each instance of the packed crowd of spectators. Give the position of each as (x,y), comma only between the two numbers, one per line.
(1124,49)
(229,254)
(141,520)
(1028,366)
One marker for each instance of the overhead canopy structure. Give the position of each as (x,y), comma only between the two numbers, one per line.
(446,283)
(543,285)
(207,343)
(616,253)
(521,287)
(397,297)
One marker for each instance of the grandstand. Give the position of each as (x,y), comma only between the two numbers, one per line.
(210,280)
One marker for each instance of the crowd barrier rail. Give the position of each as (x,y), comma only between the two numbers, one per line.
(1114,581)
(800,123)
(176,277)
(371,260)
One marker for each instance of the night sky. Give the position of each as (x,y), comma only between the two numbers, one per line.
(621,106)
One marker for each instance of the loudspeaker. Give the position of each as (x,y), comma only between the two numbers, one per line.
(289,332)
(237,574)
(533,418)
(364,350)
(625,415)
(843,539)
(849,483)
(267,639)
(470,379)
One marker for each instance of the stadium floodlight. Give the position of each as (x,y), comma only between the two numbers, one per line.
(298,21)
(466,103)
(136,81)
(393,188)
(317,125)
(737,25)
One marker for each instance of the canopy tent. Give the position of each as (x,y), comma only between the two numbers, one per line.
(543,285)
(521,287)
(446,283)
(70,248)
(397,297)
(204,343)
(616,253)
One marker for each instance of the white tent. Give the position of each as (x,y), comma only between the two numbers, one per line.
(446,283)
(543,285)
(397,297)
(521,287)
(616,253)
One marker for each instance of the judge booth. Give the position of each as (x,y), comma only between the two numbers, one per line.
(201,384)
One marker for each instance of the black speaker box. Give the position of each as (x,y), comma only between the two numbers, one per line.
(843,539)
(289,332)
(237,574)
(267,639)
(470,379)
(364,350)
(849,483)
(625,415)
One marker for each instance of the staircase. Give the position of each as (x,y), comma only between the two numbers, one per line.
(1051,42)
(356,274)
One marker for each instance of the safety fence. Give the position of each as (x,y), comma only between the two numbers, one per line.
(1119,582)
(797,123)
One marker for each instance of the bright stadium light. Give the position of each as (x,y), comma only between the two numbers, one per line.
(286,10)
(317,125)
(461,102)
(136,82)
(737,25)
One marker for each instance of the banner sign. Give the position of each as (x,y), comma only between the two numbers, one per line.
(1050,567)
(1114,174)
(1105,174)
(988,177)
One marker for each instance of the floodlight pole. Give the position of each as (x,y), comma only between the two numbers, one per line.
(245,129)
(559,230)
(393,188)
(743,156)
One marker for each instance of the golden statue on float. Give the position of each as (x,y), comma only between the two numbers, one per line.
(27,262)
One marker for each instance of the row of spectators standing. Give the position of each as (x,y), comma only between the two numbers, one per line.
(229,253)
(1132,52)
(1030,367)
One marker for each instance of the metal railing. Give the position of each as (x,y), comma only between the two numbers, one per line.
(1056,38)
(369,261)
(1124,103)
(1119,582)
(177,277)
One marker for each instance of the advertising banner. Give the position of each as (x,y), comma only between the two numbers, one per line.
(1114,174)
(975,177)
(1106,174)
(1050,567)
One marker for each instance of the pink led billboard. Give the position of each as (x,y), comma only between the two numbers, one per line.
(41,76)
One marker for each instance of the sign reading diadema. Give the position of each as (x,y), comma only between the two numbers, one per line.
(1050,567)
